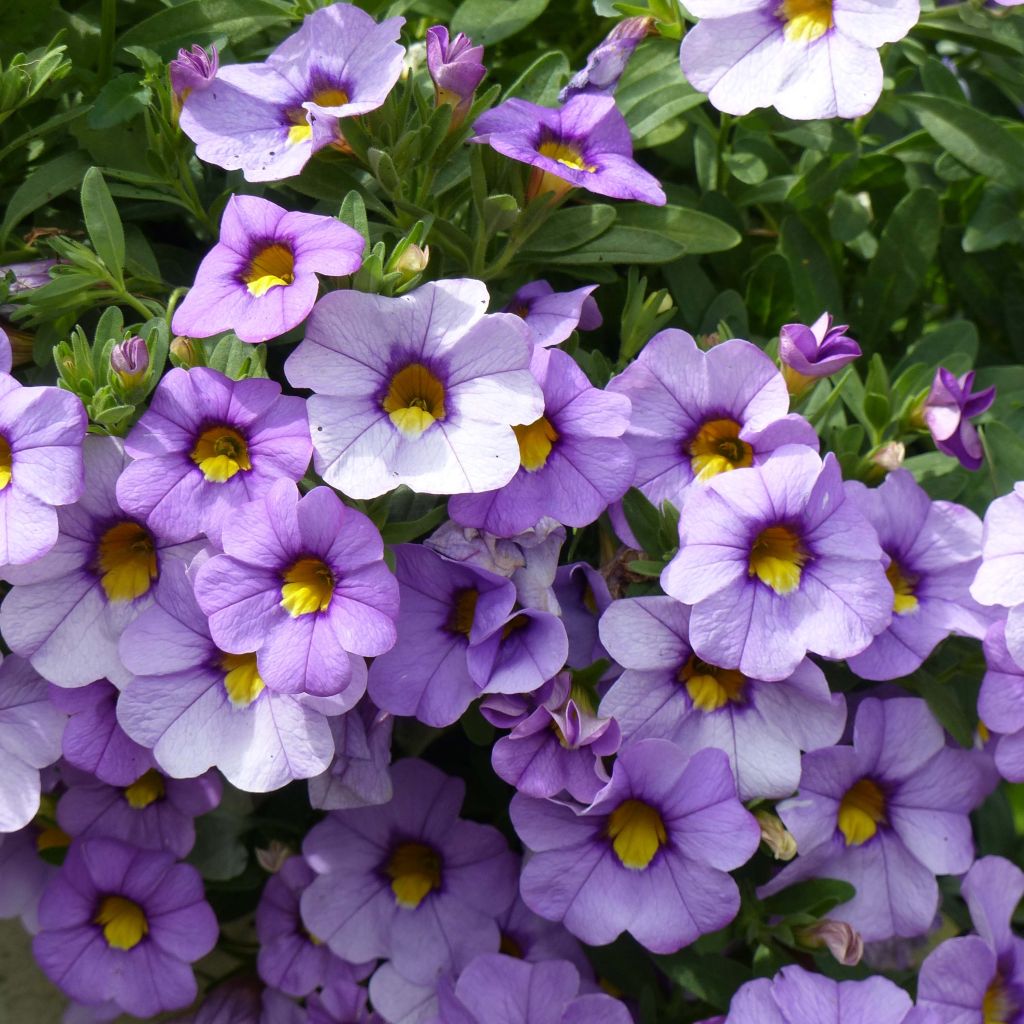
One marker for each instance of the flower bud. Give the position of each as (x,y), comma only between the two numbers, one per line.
(454,66)
(890,455)
(129,360)
(841,940)
(413,261)
(192,71)
(186,352)
(608,60)
(775,836)
(948,410)
(807,353)
(273,857)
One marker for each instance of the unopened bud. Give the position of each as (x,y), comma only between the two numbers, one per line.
(775,836)
(890,455)
(708,341)
(186,352)
(413,261)
(273,857)
(129,360)
(841,940)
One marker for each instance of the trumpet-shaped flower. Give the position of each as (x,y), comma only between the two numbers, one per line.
(948,411)
(552,316)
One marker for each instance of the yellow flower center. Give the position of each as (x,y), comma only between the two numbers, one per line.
(414,400)
(777,558)
(535,442)
(861,811)
(241,678)
(463,612)
(272,266)
(123,922)
(220,452)
(6,463)
(330,97)
(126,561)
(415,871)
(52,838)
(806,20)
(566,154)
(145,790)
(998,1006)
(904,600)
(709,686)
(637,833)
(717,448)
(308,587)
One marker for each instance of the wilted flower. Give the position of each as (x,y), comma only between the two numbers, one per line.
(948,411)
(775,835)
(456,69)
(839,938)
(606,63)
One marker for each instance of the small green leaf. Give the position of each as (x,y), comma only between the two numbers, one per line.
(43,184)
(120,100)
(487,21)
(817,897)
(569,228)
(103,222)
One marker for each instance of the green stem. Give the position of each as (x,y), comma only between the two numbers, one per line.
(108,38)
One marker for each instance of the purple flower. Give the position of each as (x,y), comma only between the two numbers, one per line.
(208,444)
(30,731)
(291,959)
(585,144)
(777,562)
(340,1001)
(552,316)
(262,117)
(259,280)
(796,996)
(421,390)
(807,353)
(302,583)
(496,989)
(807,58)
(572,459)
(360,773)
(245,1001)
(979,979)
(648,856)
(1000,579)
(25,875)
(455,68)
(192,71)
(668,692)
(606,62)
(1001,703)
(124,925)
(948,411)
(556,743)
(41,434)
(68,609)
(887,815)
(934,549)
(129,359)
(458,638)
(698,414)
(28,275)
(528,936)
(6,352)
(582,595)
(409,881)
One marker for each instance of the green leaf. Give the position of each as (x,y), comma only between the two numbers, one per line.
(644,520)
(770,293)
(353,213)
(487,21)
(693,231)
(814,280)
(941,697)
(570,227)
(714,979)
(103,222)
(998,220)
(652,91)
(620,244)
(120,100)
(43,185)
(817,897)
(542,80)
(402,533)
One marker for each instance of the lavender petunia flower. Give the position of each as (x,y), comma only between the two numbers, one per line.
(30,732)
(208,444)
(585,144)
(979,979)
(303,584)
(41,434)
(262,118)
(360,774)
(699,414)
(25,876)
(198,707)
(583,595)
(809,353)
(807,58)
(193,70)
(408,881)
(934,549)
(648,856)
(572,459)
(243,1000)
(124,925)
(948,411)
(340,1001)
(68,608)
(552,316)
(667,691)
(777,562)
(607,61)
(887,815)
(458,638)
(422,390)
(259,280)
(532,938)
(495,989)
(456,69)
(290,959)
(1001,703)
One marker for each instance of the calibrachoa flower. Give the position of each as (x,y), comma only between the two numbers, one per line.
(192,71)
(359,775)
(245,1001)
(552,316)
(934,550)
(582,594)
(530,937)
(25,875)
(68,608)
(455,68)
(607,61)
(124,925)
(887,815)
(572,459)
(807,58)
(667,691)
(496,989)
(259,280)
(41,434)
(421,390)
(261,117)
(129,359)
(1001,703)
(648,856)
(979,979)
(208,444)
(584,144)
(30,731)
(198,707)
(303,584)
(808,353)
(6,352)
(698,414)
(948,411)
(409,881)
(776,562)
(458,638)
